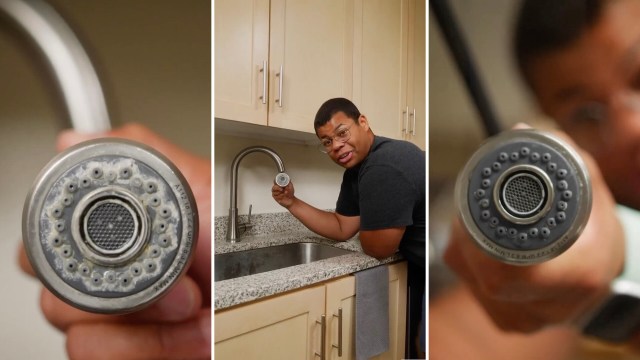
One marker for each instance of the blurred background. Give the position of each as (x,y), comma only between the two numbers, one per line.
(455,129)
(153,59)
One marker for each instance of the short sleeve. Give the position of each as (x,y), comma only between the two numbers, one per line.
(347,203)
(387,198)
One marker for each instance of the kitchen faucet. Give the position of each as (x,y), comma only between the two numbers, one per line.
(69,61)
(282,179)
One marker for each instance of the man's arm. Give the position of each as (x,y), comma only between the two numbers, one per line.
(325,223)
(381,243)
(377,243)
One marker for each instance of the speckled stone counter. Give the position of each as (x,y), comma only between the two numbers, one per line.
(279,229)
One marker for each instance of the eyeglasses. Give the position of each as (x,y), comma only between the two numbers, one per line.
(342,135)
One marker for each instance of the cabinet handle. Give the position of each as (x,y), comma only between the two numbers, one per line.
(264,82)
(280,76)
(405,120)
(323,337)
(339,346)
(413,128)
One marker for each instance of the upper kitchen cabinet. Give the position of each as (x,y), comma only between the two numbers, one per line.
(389,67)
(277,61)
(416,80)
(311,58)
(241,56)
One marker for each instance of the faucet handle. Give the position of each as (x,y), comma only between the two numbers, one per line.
(248,225)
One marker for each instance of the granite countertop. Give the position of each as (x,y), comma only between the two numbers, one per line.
(228,293)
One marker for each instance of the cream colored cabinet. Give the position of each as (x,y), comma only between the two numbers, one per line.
(380,66)
(283,327)
(241,54)
(341,298)
(289,326)
(312,45)
(389,67)
(416,80)
(277,61)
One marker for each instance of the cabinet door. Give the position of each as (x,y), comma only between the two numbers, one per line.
(283,327)
(341,294)
(241,51)
(416,97)
(380,64)
(312,45)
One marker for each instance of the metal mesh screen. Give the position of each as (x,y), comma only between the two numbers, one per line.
(523,194)
(110,226)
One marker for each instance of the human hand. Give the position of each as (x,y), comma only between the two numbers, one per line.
(528,298)
(178,326)
(283,195)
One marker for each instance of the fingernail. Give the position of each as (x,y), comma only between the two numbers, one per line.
(522,125)
(179,303)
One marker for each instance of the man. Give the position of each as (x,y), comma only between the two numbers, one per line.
(382,196)
(581,61)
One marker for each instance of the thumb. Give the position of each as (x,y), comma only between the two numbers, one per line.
(69,137)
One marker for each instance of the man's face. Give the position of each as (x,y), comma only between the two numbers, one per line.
(352,151)
(592,89)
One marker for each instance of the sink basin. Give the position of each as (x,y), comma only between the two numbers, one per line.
(249,262)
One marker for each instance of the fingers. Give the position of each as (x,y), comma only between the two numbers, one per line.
(197,172)
(277,190)
(503,282)
(200,269)
(286,189)
(181,303)
(283,195)
(559,134)
(493,278)
(186,340)
(193,167)
(175,326)
(130,131)
(528,298)
(23,261)
(515,298)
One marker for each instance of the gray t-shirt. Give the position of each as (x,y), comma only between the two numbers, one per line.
(388,190)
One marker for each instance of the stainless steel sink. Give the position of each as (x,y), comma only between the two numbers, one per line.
(249,262)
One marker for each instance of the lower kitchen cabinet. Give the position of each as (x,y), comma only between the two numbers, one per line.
(289,326)
(341,293)
(282,327)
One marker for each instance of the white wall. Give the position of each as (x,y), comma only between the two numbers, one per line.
(315,177)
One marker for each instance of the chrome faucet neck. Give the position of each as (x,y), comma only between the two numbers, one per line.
(232,223)
(69,61)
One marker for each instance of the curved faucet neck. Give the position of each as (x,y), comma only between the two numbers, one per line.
(71,65)
(233,194)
